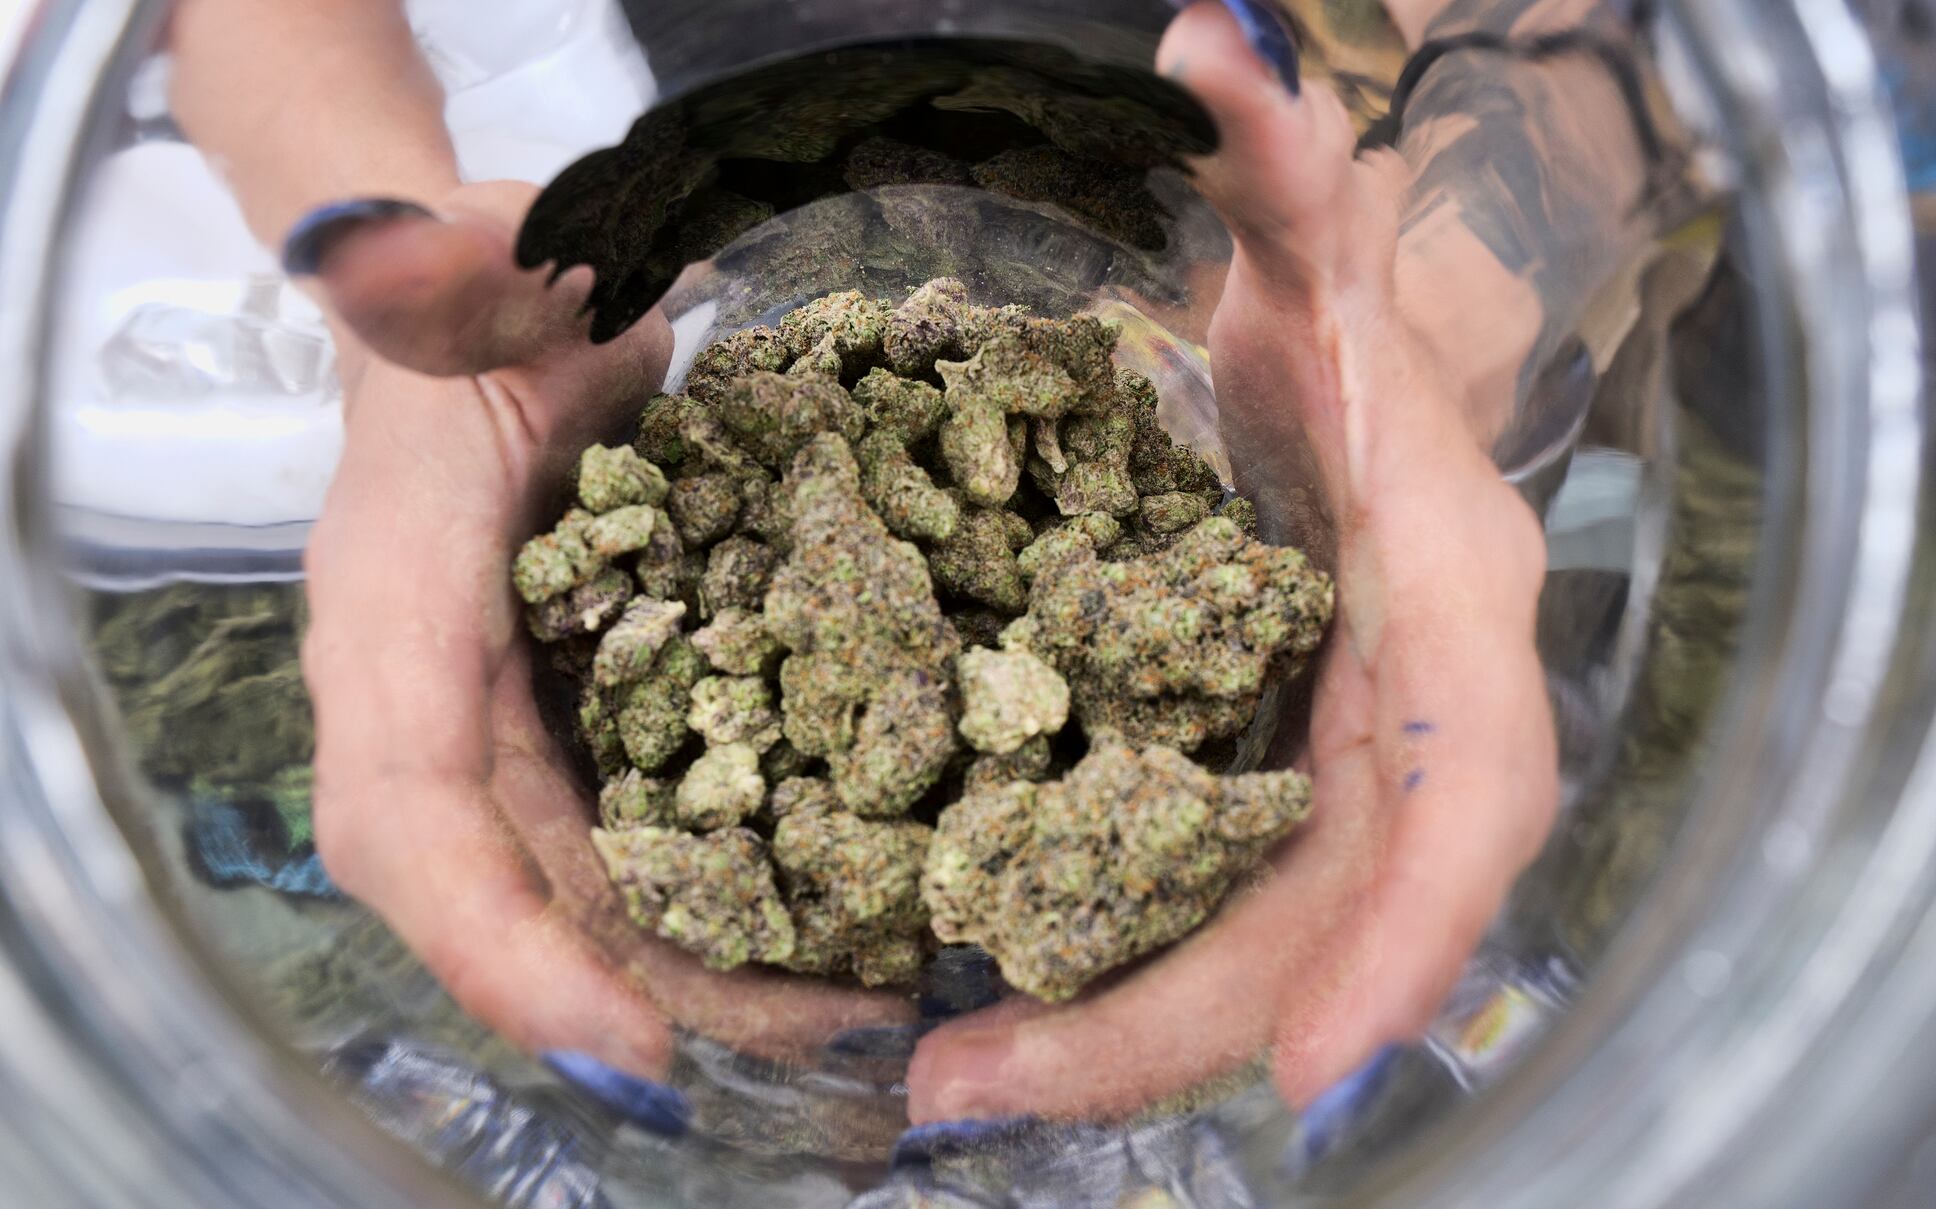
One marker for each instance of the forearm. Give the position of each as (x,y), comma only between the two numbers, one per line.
(302,102)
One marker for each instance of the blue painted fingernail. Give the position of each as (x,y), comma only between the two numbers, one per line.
(1269,34)
(646,1103)
(1328,1116)
(924,1143)
(320,230)
(887,1041)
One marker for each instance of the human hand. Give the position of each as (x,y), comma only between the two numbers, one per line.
(442,802)
(1431,751)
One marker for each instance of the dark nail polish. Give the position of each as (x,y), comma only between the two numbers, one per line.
(1326,1118)
(881,1042)
(644,1102)
(1269,34)
(962,978)
(320,230)
(924,1143)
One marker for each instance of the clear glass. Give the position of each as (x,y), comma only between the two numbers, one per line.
(1719,419)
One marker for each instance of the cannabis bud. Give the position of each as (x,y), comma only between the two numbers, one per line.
(900,626)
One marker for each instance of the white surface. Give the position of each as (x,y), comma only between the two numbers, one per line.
(198,431)
(1590,523)
(159,232)
(13,19)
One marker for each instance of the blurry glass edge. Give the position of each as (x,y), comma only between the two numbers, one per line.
(128,554)
(1650,1089)
(157,1052)
(1880,681)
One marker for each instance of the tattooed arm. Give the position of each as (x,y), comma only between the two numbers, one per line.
(1527,177)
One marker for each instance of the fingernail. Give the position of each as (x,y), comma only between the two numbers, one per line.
(1269,34)
(887,1041)
(645,1102)
(320,230)
(962,978)
(1326,1118)
(924,1143)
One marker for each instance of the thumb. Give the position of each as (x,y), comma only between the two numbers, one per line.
(439,293)
(1284,177)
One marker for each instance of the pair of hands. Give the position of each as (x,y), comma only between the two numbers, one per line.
(443,803)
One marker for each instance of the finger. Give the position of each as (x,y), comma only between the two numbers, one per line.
(1436,784)
(398,661)
(438,294)
(442,293)
(1436,713)
(1283,177)
(411,619)
(498,891)
(410,603)
(763,1013)
(766,1013)
(1351,944)
(435,862)
(1310,282)
(422,700)
(1203,1009)
(1445,728)
(1468,807)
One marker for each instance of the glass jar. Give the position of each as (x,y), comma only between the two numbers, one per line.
(1700,991)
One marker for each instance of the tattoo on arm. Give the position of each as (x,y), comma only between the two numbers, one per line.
(1487,109)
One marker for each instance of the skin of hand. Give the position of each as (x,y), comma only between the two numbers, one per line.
(1432,749)
(441,800)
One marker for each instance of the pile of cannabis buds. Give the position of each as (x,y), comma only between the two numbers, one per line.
(901,625)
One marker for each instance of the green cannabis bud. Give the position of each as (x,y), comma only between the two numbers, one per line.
(1128,851)
(899,625)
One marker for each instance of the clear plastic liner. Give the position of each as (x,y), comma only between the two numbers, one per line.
(524,1151)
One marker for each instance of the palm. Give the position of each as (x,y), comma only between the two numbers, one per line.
(443,801)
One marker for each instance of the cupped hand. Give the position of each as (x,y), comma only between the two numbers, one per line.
(442,801)
(1431,750)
